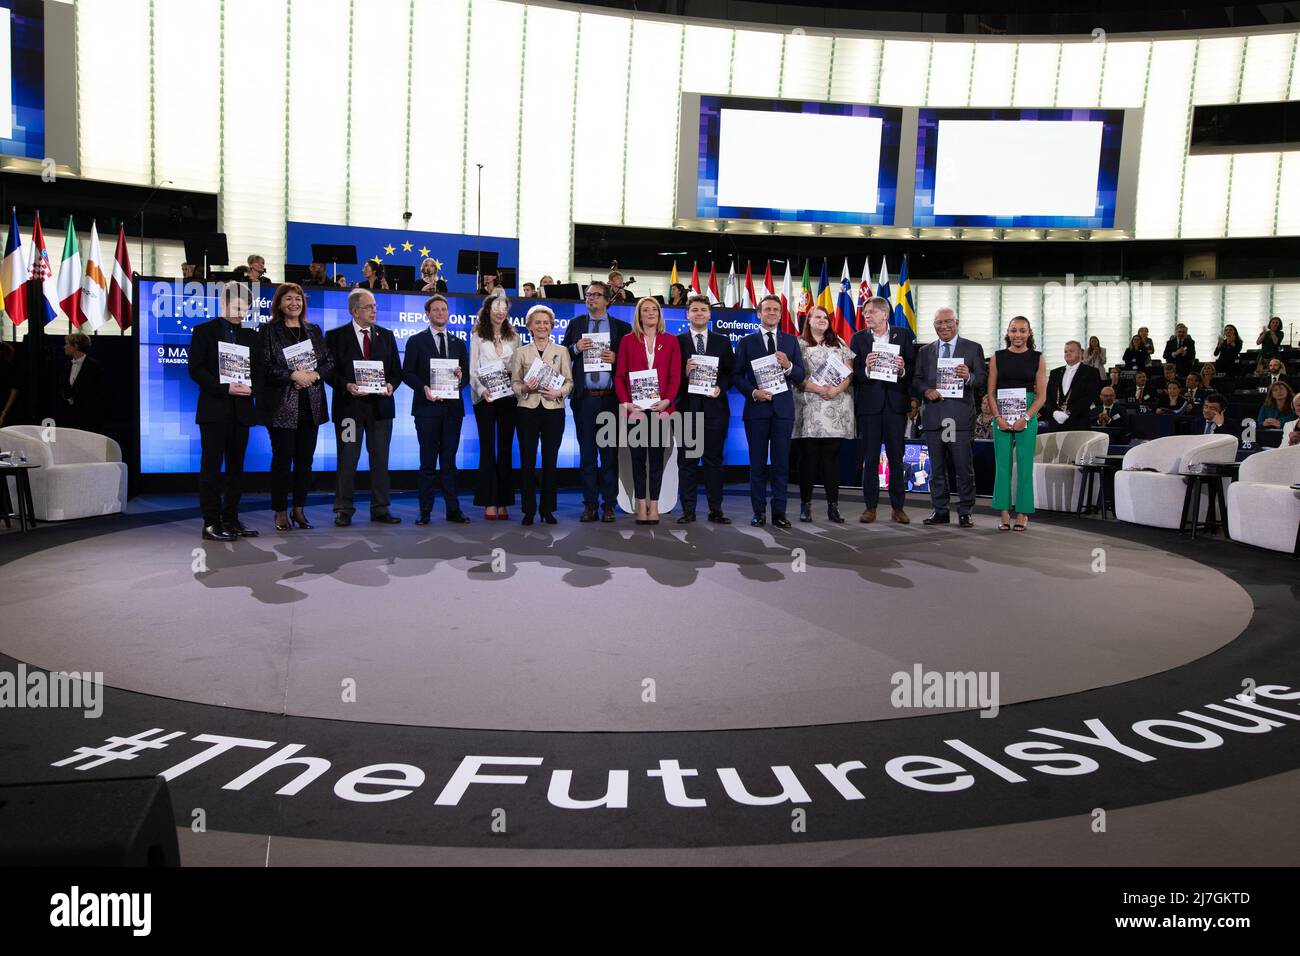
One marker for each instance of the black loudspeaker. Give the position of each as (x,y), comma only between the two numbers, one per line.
(125,821)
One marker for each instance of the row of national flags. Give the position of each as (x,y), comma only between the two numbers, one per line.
(843,303)
(87,294)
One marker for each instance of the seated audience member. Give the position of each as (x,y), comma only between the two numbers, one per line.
(239,274)
(1136,356)
(1193,391)
(1278,408)
(1290,433)
(190,272)
(1228,350)
(257,269)
(1273,372)
(375,280)
(677,295)
(316,277)
(1143,396)
(341,281)
(1170,372)
(489,285)
(1208,374)
(1107,413)
(1212,409)
(542,283)
(528,291)
(912,424)
(1173,401)
(983,427)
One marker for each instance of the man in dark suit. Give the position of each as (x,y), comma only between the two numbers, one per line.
(81,386)
(882,407)
(593,393)
(437,420)
(1181,351)
(1212,410)
(357,413)
(1109,415)
(768,416)
(947,423)
(1072,390)
(711,411)
(224,412)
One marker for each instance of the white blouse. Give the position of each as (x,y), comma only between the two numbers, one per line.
(477,347)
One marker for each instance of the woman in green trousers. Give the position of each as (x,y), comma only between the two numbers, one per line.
(1017,366)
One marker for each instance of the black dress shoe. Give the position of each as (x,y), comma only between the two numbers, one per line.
(299,518)
(526,521)
(423,519)
(937,517)
(548,517)
(758,520)
(805,513)
(237,528)
(385,519)
(833,514)
(214,532)
(607,513)
(965,521)
(458,517)
(781,521)
(341,519)
(688,517)
(717,517)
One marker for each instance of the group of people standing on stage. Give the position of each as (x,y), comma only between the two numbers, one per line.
(812,388)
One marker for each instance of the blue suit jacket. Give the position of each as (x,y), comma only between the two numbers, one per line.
(754,346)
(574,334)
(415,373)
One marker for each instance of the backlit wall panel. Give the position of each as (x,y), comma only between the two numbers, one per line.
(806,70)
(601,120)
(492,121)
(318,150)
(439,197)
(650,183)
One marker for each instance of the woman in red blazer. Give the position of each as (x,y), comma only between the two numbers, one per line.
(649,429)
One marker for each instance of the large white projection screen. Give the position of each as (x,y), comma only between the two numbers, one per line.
(1017,168)
(798,161)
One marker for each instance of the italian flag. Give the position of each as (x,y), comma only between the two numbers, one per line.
(70,278)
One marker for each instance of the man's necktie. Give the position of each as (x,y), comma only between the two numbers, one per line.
(442,347)
(365,343)
(699,344)
(947,347)
(771,345)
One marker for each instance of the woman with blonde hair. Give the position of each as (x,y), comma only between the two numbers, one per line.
(540,397)
(648,348)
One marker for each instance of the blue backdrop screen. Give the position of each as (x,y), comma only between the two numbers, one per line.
(169,439)
(22,132)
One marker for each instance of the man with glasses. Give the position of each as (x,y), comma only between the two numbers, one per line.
(593,393)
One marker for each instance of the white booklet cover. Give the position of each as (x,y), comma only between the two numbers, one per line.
(495,378)
(831,372)
(769,375)
(880,362)
(949,385)
(300,357)
(369,376)
(592,359)
(1012,404)
(645,388)
(234,364)
(704,375)
(442,378)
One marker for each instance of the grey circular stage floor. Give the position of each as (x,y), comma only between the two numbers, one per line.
(559,628)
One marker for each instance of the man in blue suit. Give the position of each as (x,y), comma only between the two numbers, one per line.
(768,417)
(882,407)
(437,420)
(593,393)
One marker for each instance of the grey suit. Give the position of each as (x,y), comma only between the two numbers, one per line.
(935,417)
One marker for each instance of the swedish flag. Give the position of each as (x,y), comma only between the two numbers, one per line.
(905,311)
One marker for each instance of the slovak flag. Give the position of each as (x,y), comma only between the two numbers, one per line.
(864,287)
(845,319)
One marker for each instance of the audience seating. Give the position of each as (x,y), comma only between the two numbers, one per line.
(1156,498)
(81,474)
(1262,509)
(1057,458)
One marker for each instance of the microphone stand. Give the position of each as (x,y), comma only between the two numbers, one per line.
(140,212)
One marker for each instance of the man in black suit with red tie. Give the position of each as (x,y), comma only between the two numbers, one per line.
(357,413)
(713,411)
(882,407)
(223,413)
(437,420)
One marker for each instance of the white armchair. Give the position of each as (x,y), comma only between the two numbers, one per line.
(1262,508)
(1057,457)
(81,474)
(1156,498)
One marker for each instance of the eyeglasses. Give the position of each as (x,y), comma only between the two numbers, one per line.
(593,292)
